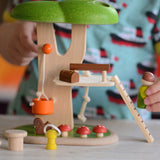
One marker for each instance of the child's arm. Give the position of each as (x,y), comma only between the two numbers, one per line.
(17,42)
(152,100)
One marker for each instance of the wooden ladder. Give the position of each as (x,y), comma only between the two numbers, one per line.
(133,109)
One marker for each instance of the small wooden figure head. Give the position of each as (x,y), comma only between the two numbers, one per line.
(148,79)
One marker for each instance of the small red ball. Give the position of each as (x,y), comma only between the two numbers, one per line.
(47,48)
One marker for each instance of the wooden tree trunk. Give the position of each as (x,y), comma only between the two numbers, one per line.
(54,63)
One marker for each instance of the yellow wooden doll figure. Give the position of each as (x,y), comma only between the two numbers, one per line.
(147,80)
(51,136)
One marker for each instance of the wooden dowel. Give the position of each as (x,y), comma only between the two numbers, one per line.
(96,67)
(104,76)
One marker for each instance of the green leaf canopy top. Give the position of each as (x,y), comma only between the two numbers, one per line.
(66,11)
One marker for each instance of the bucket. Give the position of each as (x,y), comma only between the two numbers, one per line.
(43,106)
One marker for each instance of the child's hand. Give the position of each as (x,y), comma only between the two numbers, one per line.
(152,100)
(17,42)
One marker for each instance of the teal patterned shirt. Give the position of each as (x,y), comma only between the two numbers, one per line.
(127,46)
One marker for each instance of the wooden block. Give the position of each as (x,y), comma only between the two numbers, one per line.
(15,139)
(69,76)
(96,67)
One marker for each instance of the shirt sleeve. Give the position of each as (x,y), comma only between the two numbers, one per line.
(156,43)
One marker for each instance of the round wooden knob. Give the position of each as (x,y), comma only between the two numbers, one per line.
(15,139)
(47,48)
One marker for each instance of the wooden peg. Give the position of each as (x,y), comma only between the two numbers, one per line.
(86,73)
(104,76)
(15,139)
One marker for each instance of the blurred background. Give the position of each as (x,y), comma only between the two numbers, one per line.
(10,78)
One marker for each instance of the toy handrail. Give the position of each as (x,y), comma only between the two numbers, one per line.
(96,67)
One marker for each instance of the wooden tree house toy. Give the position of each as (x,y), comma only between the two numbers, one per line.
(57,73)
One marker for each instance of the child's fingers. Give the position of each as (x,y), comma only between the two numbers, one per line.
(24,55)
(153,108)
(154,98)
(26,38)
(28,44)
(152,101)
(153,88)
(17,54)
(13,58)
(27,52)
(11,54)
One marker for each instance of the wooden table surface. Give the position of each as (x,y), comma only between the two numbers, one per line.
(131,146)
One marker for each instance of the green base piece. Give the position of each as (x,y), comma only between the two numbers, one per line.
(72,139)
(72,134)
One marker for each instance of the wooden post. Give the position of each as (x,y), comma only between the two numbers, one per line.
(104,76)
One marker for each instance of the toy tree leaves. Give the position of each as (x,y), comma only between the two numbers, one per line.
(67,11)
